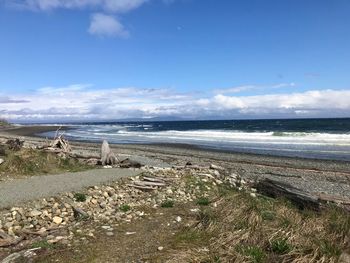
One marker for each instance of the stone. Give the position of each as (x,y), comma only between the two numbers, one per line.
(178,219)
(57,220)
(160,248)
(2,161)
(344,258)
(253,194)
(34,213)
(109,234)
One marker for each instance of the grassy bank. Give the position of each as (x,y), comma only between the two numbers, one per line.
(29,162)
(242,228)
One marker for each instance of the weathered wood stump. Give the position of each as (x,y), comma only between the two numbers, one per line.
(107,156)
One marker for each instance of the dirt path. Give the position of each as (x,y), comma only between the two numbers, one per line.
(23,190)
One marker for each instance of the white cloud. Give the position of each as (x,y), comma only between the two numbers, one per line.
(240,89)
(84,102)
(103,23)
(116,6)
(106,25)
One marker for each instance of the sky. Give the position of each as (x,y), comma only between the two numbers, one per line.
(91,60)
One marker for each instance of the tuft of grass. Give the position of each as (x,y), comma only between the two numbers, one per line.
(42,244)
(280,246)
(268,215)
(203,201)
(125,208)
(80,197)
(329,249)
(255,253)
(167,204)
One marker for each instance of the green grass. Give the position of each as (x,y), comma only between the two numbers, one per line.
(254,253)
(329,249)
(167,204)
(268,215)
(124,208)
(80,197)
(204,201)
(280,246)
(42,244)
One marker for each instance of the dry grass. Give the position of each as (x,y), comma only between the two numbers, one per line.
(246,229)
(35,162)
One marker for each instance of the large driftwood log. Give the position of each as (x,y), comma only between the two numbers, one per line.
(107,156)
(127,163)
(277,189)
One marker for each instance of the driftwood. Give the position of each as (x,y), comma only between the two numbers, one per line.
(127,163)
(107,156)
(144,188)
(10,241)
(79,213)
(277,189)
(145,183)
(3,235)
(333,199)
(148,183)
(153,179)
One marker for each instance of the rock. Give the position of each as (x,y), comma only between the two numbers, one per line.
(57,220)
(2,161)
(216,167)
(178,219)
(160,248)
(34,213)
(110,234)
(344,258)
(253,194)
(130,233)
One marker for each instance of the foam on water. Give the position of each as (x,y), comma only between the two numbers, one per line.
(303,143)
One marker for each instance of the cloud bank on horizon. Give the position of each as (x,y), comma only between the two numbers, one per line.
(84,103)
(104,22)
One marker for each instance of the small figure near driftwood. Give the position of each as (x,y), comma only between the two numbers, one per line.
(107,156)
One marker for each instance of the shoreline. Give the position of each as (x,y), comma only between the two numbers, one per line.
(32,131)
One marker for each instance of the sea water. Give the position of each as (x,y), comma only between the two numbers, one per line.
(307,138)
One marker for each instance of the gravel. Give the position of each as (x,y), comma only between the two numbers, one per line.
(21,190)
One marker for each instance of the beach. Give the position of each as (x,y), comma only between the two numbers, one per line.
(182,198)
(316,176)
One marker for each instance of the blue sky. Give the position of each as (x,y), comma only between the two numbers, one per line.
(111,59)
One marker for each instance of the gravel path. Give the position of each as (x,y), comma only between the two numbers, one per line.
(23,190)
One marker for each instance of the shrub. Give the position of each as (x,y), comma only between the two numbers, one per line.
(125,208)
(167,204)
(280,246)
(203,201)
(79,197)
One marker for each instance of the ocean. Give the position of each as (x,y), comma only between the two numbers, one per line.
(306,138)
